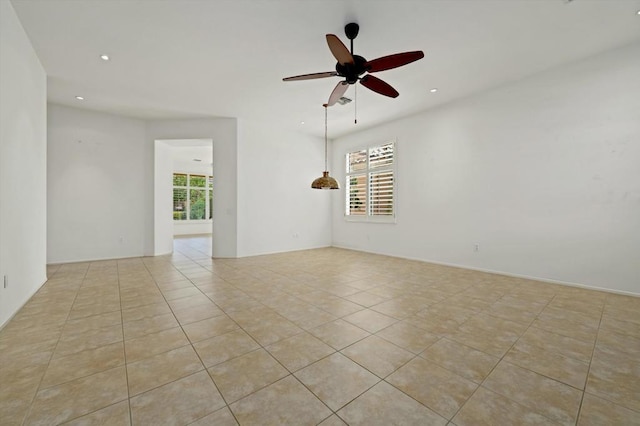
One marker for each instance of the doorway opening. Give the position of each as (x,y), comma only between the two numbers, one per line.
(184,191)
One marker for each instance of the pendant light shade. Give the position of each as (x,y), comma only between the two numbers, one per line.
(325,181)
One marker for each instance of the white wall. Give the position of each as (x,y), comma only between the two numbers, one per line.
(23,166)
(162,201)
(96,185)
(277,209)
(543,173)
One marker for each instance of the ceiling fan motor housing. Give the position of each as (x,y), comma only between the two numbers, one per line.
(351,30)
(351,72)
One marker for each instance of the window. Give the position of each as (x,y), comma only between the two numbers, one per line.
(370,183)
(192,196)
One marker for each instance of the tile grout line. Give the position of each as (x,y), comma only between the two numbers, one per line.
(499,361)
(26,416)
(204,368)
(593,351)
(124,347)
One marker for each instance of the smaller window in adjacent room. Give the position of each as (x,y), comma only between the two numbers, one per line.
(370,183)
(192,197)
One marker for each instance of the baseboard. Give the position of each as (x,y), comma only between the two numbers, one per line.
(23,303)
(97,259)
(491,271)
(280,252)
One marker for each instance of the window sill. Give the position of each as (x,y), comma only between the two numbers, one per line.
(383,220)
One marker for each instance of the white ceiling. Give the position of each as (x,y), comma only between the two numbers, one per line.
(194,58)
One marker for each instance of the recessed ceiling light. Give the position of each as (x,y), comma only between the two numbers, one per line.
(302,122)
(434,90)
(80,98)
(104,57)
(638,12)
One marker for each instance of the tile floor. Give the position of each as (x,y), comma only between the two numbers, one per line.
(324,336)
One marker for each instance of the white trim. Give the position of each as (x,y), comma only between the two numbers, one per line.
(33,293)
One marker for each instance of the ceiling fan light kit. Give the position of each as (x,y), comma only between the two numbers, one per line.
(354,68)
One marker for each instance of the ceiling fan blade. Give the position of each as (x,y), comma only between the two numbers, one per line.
(339,50)
(393,61)
(378,86)
(311,76)
(337,93)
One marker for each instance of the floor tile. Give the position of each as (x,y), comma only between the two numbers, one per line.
(197,313)
(385,405)
(439,389)
(93,322)
(163,368)
(83,364)
(487,408)
(370,321)
(57,352)
(51,405)
(116,414)
(147,311)
(281,403)
(409,337)
(246,374)
(339,333)
(180,402)
(550,364)
(139,328)
(564,345)
(224,347)
(189,302)
(180,293)
(545,396)
(89,339)
(340,307)
(598,411)
(460,359)
(299,351)
(615,381)
(336,380)
(377,355)
(221,417)
(271,331)
(205,329)
(154,343)
(366,299)
(334,420)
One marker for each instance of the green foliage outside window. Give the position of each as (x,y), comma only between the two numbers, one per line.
(192,197)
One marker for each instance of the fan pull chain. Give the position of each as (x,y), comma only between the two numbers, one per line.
(355,104)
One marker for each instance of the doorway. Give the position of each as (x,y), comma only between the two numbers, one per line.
(183,191)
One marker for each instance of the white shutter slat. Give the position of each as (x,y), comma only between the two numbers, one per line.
(381,193)
(370,182)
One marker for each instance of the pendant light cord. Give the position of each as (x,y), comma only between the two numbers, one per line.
(325,136)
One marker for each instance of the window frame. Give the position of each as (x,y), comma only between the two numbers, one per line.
(368,217)
(207,188)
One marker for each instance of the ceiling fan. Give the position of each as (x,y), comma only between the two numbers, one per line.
(352,67)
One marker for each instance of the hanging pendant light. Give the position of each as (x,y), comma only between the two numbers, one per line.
(325,181)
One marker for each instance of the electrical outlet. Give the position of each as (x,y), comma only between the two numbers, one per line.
(476,247)
(121,239)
